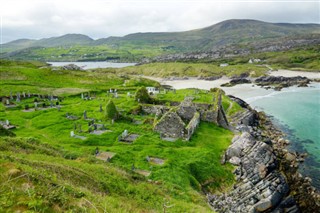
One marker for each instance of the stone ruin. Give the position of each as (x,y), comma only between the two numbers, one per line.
(170,126)
(97,129)
(71,117)
(181,121)
(126,137)
(7,125)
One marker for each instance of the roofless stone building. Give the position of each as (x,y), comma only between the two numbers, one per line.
(181,121)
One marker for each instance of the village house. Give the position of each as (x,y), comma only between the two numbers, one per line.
(152,90)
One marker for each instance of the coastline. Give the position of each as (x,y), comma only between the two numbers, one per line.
(267,173)
(301,194)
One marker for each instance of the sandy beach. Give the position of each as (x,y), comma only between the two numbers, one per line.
(247,92)
(289,73)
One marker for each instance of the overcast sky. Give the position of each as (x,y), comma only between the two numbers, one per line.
(103,18)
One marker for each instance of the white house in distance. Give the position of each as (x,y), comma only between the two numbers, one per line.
(255,60)
(224,65)
(152,90)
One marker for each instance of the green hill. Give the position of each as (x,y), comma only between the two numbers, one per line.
(65,40)
(234,34)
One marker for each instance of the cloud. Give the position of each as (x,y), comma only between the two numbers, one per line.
(100,18)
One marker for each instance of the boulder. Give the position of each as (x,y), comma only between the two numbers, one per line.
(235,161)
(238,144)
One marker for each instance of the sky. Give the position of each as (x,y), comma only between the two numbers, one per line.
(36,19)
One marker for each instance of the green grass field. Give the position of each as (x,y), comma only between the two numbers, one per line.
(43,169)
(182,69)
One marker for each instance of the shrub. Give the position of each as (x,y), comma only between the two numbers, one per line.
(111,111)
(5,132)
(142,96)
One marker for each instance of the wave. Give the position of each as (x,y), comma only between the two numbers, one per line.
(286,90)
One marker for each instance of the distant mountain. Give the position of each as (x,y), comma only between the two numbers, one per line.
(239,33)
(223,33)
(65,40)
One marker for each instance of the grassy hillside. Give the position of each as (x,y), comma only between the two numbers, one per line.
(180,69)
(43,169)
(238,34)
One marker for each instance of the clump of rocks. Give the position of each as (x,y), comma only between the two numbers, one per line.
(236,81)
(71,67)
(279,82)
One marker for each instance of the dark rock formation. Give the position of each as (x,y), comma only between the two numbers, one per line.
(236,81)
(71,67)
(240,81)
(280,82)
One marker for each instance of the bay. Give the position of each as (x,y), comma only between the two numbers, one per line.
(93,64)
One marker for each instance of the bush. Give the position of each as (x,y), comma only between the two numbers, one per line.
(111,111)
(5,132)
(142,96)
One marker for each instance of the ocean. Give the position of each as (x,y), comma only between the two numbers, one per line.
(296,111)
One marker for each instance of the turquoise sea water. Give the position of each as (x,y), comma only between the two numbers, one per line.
(297,112)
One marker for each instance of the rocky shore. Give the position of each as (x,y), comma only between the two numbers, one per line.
(271,82)
(267,177)
(279,82)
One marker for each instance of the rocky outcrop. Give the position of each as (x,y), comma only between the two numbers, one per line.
(279,82)
(260,186)
(266,173)
(301,189)
(236,81)
(71,67)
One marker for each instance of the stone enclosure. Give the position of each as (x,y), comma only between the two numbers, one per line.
(181,121)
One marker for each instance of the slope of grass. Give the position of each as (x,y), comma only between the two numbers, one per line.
(182,69)
(43,169)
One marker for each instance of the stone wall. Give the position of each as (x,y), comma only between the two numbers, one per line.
(186,110)
(170,125)
(209,116)
(192,126)
(155,109)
